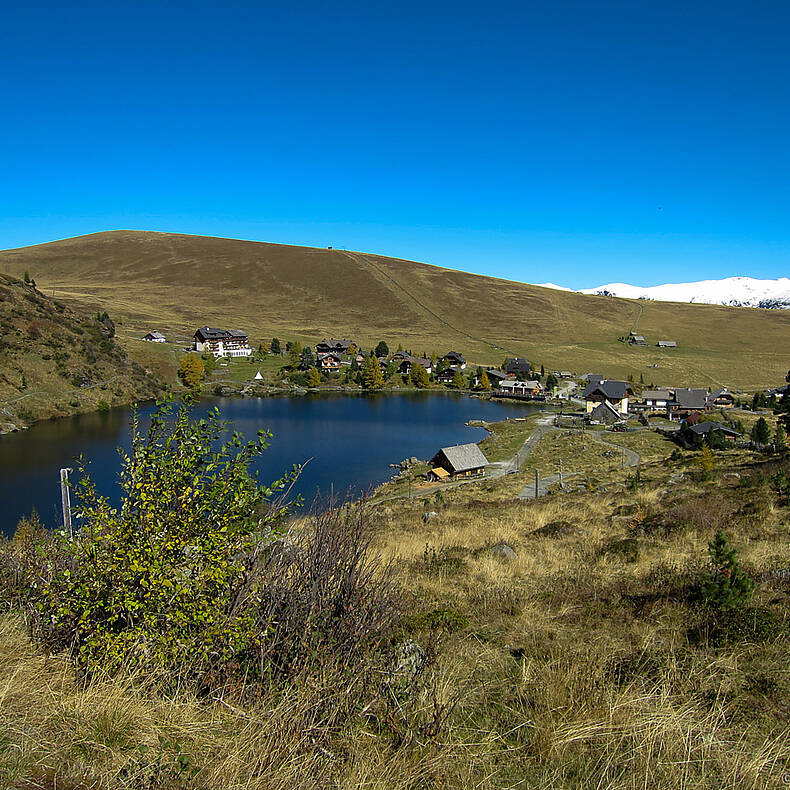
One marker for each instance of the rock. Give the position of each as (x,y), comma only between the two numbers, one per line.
(426,517)
(676,477)
(502,551)
(408,662)
(558,529)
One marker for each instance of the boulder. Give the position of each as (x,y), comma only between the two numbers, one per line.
(426,517)
(502,551)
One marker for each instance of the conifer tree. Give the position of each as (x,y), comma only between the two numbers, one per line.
(761,433)
(275,346)
(382,349)
(458,380)
(726,586)
(313,377)
(419,376)
(780,439)
(370,375)
(483,384)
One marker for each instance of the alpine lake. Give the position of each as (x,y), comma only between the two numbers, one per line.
(348,442)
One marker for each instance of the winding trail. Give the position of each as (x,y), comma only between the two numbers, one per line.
(513,464)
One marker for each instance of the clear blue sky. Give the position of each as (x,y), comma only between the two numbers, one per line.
(579,142)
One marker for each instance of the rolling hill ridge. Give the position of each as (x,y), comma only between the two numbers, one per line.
(176,282)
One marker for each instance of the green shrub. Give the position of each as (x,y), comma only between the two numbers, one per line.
(726,585)
(152,584)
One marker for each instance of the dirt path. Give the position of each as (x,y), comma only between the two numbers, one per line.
(632,458)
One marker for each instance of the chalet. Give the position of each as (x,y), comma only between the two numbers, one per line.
(336,346)
(222,342)
(667,344)
(637,340)
(518,366)
(494,377)
(459,461)
(593,378)
(447,375)
(520,389)
(329,361)
(155,337)
(721,399)
(566,374)
(688,400)
(704,429)
(656,399)
(406,362)
(455,360)
(605,413)
(616,393)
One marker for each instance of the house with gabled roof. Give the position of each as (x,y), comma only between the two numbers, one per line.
(517,365)
(337,346)
(330,361)
(687,400)
(455,360)
(616,393)
(155,337)
(222,342)
(605,413)
(458,461)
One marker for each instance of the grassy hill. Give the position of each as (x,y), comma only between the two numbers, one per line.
(55,361)
(176,283)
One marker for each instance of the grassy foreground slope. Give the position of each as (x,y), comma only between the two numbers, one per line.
(176,282)
(55,361)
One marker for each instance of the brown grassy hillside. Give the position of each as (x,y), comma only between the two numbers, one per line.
(177,282)
(55,361)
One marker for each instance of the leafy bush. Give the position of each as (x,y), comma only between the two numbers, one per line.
(190,580)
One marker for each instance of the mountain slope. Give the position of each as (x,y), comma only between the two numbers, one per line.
(176,283)
(731,291)
(54,361)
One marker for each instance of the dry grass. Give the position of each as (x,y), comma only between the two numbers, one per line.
(570,666)
(170,282)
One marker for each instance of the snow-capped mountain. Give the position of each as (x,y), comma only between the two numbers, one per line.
(732,291)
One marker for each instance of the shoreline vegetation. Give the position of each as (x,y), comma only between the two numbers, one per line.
(628,631)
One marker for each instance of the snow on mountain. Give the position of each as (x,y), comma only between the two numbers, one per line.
(732,291)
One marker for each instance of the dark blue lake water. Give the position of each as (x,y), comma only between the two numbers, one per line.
(350,439)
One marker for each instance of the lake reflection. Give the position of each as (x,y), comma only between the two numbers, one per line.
(351,440)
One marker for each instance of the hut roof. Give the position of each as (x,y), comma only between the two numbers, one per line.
(462,457)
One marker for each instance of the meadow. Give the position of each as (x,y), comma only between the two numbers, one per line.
(176,283)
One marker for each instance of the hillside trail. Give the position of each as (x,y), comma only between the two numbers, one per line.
(630,458)
(363,259)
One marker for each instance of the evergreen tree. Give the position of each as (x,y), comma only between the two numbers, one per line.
(307,358)
(542,371)
(641,378)
(382,349)
(458,380)
(551,382)
(370,375)
(295,353)
(313,377)
(726,586)
(780,439)
(761,433)
(354,364)
(27,276)
(275,346)
(419,376)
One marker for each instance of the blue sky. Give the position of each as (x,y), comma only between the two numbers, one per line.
(577,142)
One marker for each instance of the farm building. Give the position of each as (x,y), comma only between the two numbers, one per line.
(155,337)
(459,461)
